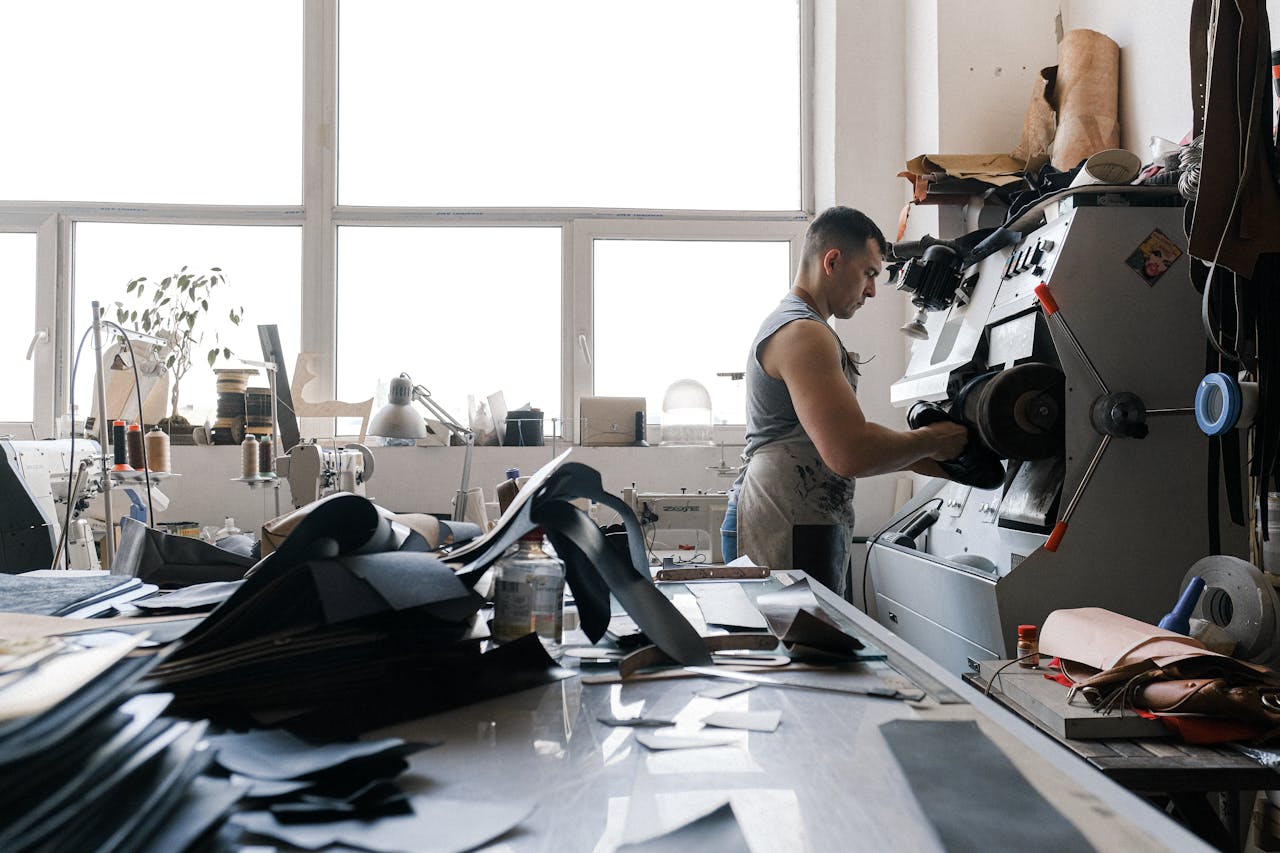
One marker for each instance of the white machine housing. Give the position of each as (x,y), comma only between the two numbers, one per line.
(314,471)
(677,519)
(34,479)
(981,569)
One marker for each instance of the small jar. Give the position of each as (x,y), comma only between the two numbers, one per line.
(529,594)
(1028,646)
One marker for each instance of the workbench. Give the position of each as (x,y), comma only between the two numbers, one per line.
(1164,770)
(824,780)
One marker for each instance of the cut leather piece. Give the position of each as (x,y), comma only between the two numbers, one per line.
(967,788)
(1102,639)
(154,556)
(546,501)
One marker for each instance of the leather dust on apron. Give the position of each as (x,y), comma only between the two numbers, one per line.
(793,512)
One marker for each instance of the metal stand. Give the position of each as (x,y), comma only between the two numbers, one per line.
(108,543)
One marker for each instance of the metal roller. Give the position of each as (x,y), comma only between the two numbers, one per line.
(1018,412)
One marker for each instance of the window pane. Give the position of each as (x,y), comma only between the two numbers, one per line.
(654,104)
(667,310)
(464,311)
(263,270)
(18,290)
(153,101)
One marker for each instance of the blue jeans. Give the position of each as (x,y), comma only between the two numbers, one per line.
(729,531)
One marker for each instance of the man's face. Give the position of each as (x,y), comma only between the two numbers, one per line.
(854,277)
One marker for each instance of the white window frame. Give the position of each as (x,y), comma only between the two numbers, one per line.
(319,216)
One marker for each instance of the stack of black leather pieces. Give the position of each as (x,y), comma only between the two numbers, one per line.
(348,625)
(106,770)
(353,624)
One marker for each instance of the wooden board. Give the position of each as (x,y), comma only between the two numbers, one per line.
(1046,701)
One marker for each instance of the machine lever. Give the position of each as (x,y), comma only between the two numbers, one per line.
(1060,529)
(1050,306)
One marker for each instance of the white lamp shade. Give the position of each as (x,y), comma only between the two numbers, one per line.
(398,418)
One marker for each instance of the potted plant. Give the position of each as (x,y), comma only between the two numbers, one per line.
(176,309)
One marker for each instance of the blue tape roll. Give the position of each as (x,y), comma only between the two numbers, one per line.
(1218,403)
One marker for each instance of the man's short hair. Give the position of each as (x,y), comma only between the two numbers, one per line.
(841,228)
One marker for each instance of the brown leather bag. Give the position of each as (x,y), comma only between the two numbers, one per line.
(1251,703)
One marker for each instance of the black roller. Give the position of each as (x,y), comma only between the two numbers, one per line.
(1019,412)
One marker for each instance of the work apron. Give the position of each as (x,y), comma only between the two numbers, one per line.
(795,513)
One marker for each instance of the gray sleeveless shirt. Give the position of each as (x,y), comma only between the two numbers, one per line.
(785,485)
(770,412)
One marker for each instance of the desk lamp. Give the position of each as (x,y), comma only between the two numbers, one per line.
(398,419)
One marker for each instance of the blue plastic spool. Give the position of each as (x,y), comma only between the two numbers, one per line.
(1218,404)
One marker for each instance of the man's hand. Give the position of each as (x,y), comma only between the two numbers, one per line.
(949,439)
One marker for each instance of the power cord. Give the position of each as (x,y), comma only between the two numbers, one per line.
(871,540)
(73,482)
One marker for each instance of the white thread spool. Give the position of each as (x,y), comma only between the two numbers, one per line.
(157,442)
(249,458)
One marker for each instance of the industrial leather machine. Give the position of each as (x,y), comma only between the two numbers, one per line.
(1070,343)
(37,478)
(314,471)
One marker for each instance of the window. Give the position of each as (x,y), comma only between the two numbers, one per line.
(571,103)
(263,276)
(465,312)
(489,197)
(152,101)
(682,309)
(18,289)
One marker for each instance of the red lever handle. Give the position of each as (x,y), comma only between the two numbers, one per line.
(1055,538)
(1046,299)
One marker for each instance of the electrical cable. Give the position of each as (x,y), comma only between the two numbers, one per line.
(137,390)
(71,405)
(72,484)
(866,559)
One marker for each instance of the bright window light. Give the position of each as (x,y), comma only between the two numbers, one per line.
(667,310)
(570,103)
(18,289)
(153,101)
(466,312)
(263,270)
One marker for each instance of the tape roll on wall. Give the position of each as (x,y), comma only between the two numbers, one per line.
(1242,601)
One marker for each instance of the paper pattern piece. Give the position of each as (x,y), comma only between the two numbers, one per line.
(728,606)
(717,830)
(437,825)
(756,721)
(653,740)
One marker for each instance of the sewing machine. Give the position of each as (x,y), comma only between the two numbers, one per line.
(675,520)
(1074,359)
(314,471)
(34,479)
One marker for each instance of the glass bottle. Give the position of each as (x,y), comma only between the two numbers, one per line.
(528,594)
(1028,646)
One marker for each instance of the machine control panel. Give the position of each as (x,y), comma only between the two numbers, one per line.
(1031,257)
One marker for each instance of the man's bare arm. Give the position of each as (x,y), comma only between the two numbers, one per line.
(805,356)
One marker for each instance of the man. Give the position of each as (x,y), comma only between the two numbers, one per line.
(807,438)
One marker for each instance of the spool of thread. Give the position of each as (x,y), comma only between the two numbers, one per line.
(133,442)
(157,442)
(249,458)
(120,454)
(266,460)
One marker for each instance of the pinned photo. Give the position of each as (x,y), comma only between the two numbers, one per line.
(1153,257)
